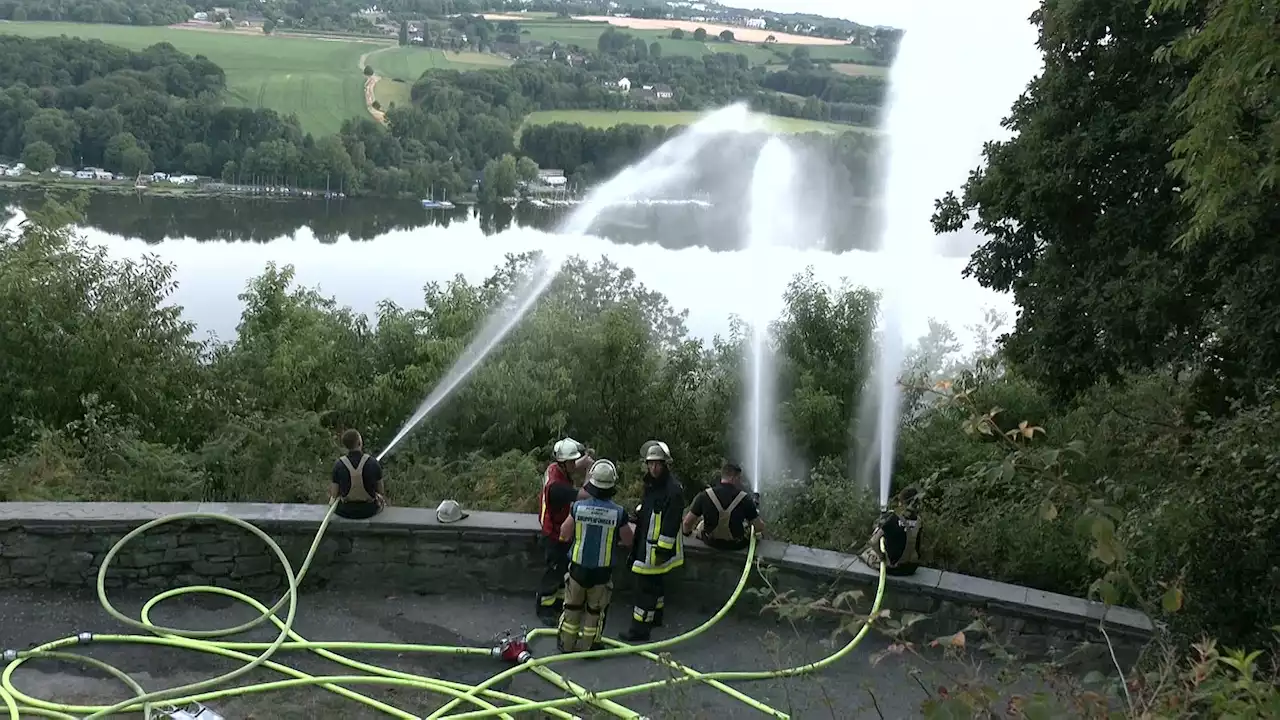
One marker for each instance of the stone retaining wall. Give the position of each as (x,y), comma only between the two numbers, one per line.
(407,550)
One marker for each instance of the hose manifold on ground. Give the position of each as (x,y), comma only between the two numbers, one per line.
(486,701)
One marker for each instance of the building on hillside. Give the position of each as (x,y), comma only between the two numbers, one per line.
(757,23)
(552,178)
(663,92)
(200,16)
(624,85)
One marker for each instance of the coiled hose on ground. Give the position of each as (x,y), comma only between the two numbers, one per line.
(486,701)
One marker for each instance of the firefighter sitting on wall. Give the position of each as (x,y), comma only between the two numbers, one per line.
(720,514)
(557,494)
(659,547)
(357,482)
(901,531)
(595,526)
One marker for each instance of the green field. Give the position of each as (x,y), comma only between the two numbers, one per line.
(609,118)
(857,70)
(585,34)
(318,79)
(408,63)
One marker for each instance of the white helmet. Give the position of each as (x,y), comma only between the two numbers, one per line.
(450,511)
(656,450)
(603,474)
(567,450)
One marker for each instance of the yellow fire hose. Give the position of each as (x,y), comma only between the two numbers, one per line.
(482,696)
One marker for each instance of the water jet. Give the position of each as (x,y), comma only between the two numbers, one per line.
(661,169)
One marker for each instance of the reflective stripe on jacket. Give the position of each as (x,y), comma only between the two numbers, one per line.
(659,543)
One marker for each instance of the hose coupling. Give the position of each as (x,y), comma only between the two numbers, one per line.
(10,655)
(85,637)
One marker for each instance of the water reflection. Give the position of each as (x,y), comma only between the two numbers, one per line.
(155,219)
(364,251)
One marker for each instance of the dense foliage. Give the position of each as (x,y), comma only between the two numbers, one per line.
(115,12)
(85,103)
(1122,441)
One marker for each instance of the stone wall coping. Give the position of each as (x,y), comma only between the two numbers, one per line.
(1007,599)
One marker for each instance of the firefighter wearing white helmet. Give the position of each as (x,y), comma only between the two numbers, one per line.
(659,548)
(595,527)
(558,492)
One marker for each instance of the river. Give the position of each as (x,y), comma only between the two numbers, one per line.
(362,251)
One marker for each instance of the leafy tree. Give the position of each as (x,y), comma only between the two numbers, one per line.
(38,156)
(655,50)
(1109,105)
(268,26)
(404,32)
(526,169)
(135,160)
(1229,155)
(677,34)
(700,35)
(726,36)
(500,178)
(368,70)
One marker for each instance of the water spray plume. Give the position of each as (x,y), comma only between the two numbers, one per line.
(662,168)
(931,151)
(768,226)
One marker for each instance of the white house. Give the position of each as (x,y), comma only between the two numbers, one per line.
(84,174)
(158,176)
(624,84)
(100,174)
(757,23)
(200,16)
(182,179)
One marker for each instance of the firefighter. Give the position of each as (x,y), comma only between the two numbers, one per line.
(557,495)
(901,531)
(595,526)
(720,515)
(659,548)
(357,484)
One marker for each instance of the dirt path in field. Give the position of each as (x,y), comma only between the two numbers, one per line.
(370,83)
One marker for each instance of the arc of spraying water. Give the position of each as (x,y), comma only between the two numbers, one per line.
(662,168)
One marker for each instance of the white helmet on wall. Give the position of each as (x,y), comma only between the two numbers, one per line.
(450,511)
(603,474)
(567,450)
(656,450)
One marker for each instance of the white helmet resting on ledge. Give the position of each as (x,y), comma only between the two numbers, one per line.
(567,450)
(450,511)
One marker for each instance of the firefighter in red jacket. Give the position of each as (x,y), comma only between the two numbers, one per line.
(557,496)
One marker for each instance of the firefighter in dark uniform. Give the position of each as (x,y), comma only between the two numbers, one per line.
(658,547)
(901,532)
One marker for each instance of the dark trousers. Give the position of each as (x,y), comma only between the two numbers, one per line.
(357,510)
(651,591)
(555,556)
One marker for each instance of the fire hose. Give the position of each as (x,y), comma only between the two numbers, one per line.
(482,696)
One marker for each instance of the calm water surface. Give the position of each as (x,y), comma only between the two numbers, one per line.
(363,251)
